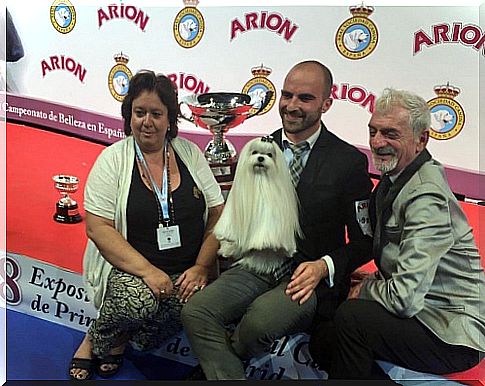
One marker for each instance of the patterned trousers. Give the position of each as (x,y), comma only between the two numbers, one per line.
(131,309)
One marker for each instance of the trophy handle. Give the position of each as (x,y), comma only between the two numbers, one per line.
(189,119)
(267,99)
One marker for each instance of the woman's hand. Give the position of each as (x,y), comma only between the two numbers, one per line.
(196,278)
(159,282)
(114,248)
(192,280)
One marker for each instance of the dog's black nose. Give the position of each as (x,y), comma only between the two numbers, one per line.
(260,159)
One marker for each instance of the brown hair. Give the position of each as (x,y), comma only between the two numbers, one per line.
(147,80)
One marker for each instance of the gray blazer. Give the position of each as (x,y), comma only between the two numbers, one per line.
(429,267)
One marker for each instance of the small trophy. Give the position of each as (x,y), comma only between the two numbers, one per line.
(66,208)
(219,112)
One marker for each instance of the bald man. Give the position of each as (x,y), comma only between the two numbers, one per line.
(333,186)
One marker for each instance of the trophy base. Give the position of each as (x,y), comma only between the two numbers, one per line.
(224,174)
(67,214)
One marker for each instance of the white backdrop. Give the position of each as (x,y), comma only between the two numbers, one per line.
(452,51)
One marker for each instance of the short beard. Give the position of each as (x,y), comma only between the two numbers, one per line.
(384,166)
(308,121)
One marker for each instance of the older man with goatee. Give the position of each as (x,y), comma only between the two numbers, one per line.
(421,309)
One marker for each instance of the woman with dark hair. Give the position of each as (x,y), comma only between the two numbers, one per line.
(151,202)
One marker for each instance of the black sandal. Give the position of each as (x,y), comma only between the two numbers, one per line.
(82,364)
(114,359)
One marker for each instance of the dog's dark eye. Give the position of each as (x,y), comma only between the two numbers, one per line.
(254,152)
(269,155)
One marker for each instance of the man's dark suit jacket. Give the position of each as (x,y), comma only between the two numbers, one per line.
(335,177)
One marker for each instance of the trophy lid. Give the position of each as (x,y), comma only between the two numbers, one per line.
(222,110)
(228,99)
(65,179)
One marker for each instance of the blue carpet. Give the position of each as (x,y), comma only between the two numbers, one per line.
(41,350)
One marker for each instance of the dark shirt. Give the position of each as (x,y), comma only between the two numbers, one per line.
(142,219)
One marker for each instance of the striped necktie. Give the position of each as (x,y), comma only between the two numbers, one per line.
(296,164)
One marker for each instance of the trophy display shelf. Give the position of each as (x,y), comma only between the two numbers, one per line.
(67,210)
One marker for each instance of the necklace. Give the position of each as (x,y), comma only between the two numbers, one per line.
(147,176)
(170,195)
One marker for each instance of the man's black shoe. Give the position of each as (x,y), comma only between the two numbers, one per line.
(196,374)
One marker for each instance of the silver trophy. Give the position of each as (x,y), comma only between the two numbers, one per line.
(66,208)
(219,112)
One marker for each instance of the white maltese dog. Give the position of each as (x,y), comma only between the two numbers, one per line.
(259,223)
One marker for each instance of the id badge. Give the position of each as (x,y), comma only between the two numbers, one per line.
(362,216)
(168,237)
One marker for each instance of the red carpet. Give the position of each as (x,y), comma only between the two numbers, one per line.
(33,157)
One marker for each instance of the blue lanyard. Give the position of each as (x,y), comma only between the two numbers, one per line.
(162,196)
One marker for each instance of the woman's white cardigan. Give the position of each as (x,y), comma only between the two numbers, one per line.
(106,195)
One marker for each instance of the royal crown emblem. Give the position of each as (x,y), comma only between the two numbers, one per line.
(189,25)
(447,115)
(261,71)
(191,3)
(361,10)
(119,77)
(357,36)
(258,87)
(121,58)
(447,91)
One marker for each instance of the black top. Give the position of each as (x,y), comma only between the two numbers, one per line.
(142,219)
